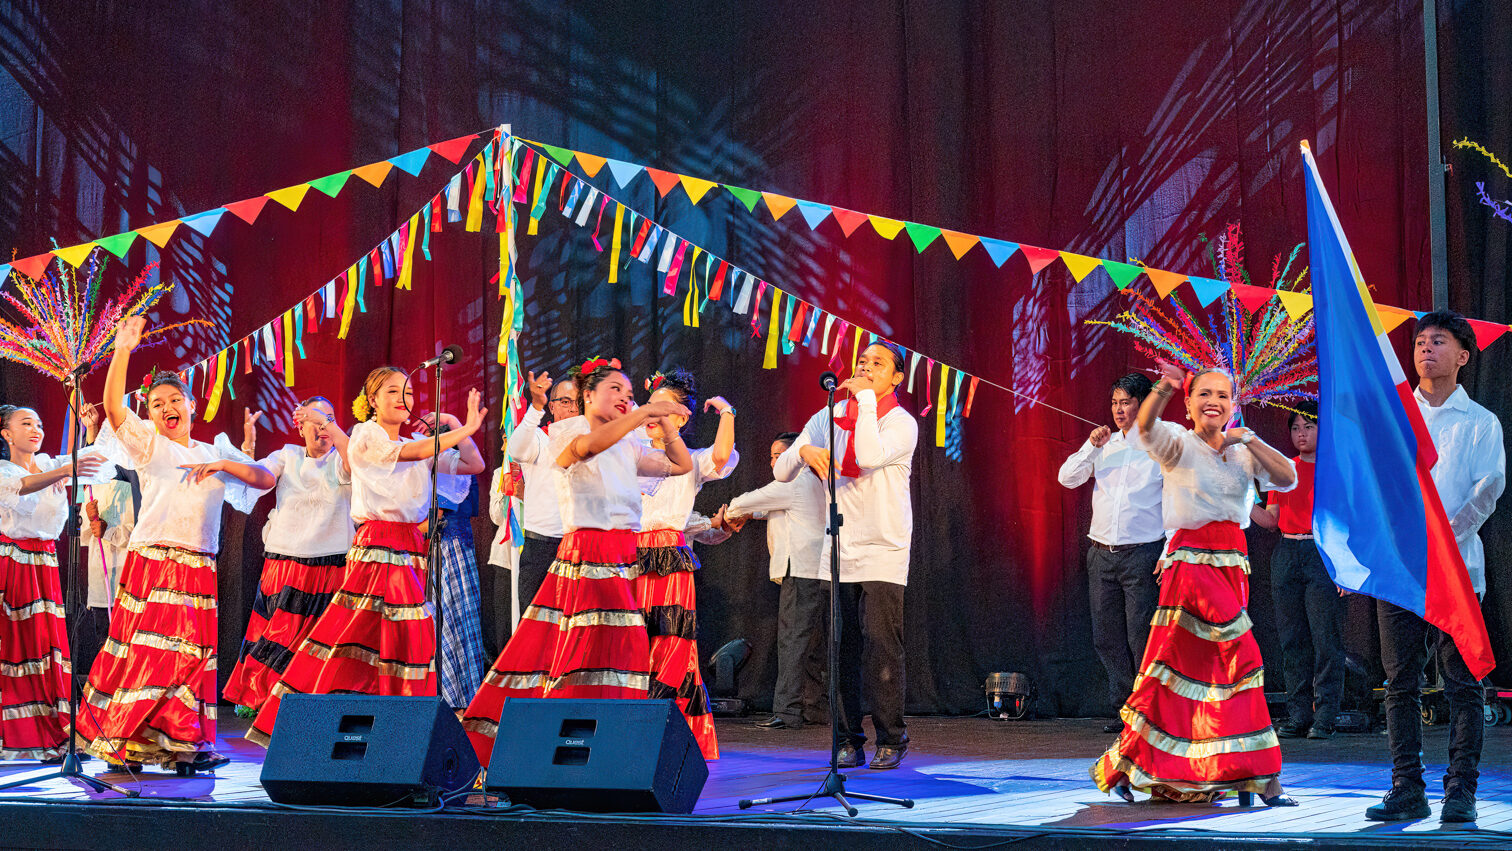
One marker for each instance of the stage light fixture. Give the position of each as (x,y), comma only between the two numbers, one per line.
(1009,695)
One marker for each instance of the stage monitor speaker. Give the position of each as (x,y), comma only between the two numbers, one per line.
(361,750)
(605,756)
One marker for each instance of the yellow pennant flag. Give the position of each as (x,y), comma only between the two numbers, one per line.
(940,406)
(856,350)
(475,203)
(215,391)
(349,303)
(289,196)
(74,254)
(507,324)
(619,218)
(288,343)
(540,176)
(773,331)
(158,234)
(407,271)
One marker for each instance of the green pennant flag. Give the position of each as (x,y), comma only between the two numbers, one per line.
(118,244)
(748,197)
(1121,273)
(332,183)
(922,235)
(561,155)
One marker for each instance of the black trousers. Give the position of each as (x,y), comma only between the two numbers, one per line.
(1124,594)
(1406,641)
(802,651)
(871,641)
(536,557)
(1309,619)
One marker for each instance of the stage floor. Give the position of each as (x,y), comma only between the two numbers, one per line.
(981,773)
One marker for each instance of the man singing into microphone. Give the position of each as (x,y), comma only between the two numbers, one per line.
(874,459)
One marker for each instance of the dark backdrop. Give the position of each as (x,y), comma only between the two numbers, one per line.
(1110,128)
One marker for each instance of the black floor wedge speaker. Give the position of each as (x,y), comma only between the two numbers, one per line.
(604,756)
(359,750)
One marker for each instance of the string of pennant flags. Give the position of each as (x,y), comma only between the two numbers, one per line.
(1206,290)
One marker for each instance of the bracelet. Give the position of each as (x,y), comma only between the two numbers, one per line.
(1162,390)
(730,410)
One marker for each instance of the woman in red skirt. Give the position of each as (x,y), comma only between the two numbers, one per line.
(376,636)
(151,694)
(305,543)
(663,583)
(1196,724)
(34,660)
(583,635)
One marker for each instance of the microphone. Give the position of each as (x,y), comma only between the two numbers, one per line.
(829,381)
(450,354)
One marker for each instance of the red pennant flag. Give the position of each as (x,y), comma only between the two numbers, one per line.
(1486,333)
(246,344)
(33,267)
(719,277)
(1253,298)
(1038,258)
(640,238)
(453,149)
(800,325)
(664,180)
(835,358)
(929,374)
(970,396)
(437,213)
(849,220)
(525,163)
(248,210)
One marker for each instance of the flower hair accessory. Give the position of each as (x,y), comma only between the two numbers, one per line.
(654,382)
(590,365)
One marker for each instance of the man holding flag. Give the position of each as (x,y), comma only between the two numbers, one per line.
(1390,462)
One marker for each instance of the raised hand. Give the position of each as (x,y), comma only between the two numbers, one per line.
(1173,375)
(88,465)
(475,413)
(196,473)
(664,408)
(717,403)
(129,334)
(1100,435)
(854,384)
(1236,435)
(540,386)
(90,415)
(817,459)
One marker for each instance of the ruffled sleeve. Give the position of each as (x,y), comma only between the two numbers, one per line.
(239,495)
(1163,442)
(10,484)
(129,446)
(1263,476)
(371,448)
(704,469)
(276,463)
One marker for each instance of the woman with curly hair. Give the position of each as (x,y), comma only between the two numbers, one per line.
(665,562)
(583,635)
(151,693)
(376,636)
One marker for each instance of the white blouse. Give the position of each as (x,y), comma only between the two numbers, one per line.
(877,534)
(530,448)
(603,492)
(313,516)
(176,512)
(668,503)
(1202,484)
(385,488)
(39,515)
(107,555)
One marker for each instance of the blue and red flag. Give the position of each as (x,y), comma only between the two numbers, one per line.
(1377,515)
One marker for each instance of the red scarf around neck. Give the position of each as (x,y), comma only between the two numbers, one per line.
(847,422)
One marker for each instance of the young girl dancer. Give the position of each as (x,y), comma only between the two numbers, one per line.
(584,635)
(151,694)
(663,584)
(1196,724)
(34,657)
(376,636)
(305,543)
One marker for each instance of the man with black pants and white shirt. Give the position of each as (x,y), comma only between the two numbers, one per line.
(1127,538)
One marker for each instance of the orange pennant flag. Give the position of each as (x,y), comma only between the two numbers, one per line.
(1165,282)
(1080,265)
(778,205)
(289,196)
(375,173)
(158,234)
(959,243)
(590,163)
(697,187)
(885,227)
(1391,317)
(664,180)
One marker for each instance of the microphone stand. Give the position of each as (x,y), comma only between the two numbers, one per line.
(71,768)
(433,525)
(833,785)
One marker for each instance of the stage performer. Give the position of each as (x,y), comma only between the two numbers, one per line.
(305,542)
(151,693)
(1196,724)
(528,446)
(877,441)
(34,653)
(794,514)
(1126,537)
(584,635)
(1309,606)
(1470,475)
(663,575)
(376,635)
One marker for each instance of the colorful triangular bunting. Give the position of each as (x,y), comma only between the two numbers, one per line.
(885,227)
(1080,264)
(1164,282)
(73,255)
(696,187)
(623,172)
(1253,298)
(999,250)
(1391,317)
(1486,333)
(778,205)
(1208,290)
(848,220)
(1122,274)
(33,267)
(247,210)
(591,164)
(922,235)
(374,173)
(453,149)
(1297,304)
(664,180)
(204,223)
(959,243)
(813,213)
(159,234)
(290,196)
(331,183)
(1038,257)
(412,162)
(118,244)
(748,197)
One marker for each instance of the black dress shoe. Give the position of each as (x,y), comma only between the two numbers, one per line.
(1290,730)
(1459,806)
(851,757)
(776,723)
(1115,727)
(1320,732)
(1402,803)
(888,757)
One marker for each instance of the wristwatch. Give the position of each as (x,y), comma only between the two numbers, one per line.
(730,410)
(1248,438)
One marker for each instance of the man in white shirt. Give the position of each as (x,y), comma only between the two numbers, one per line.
(1470,475)
(1126,535)
(794,512)
(542,519)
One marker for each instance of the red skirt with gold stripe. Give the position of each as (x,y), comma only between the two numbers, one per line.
(583,635)
(151,691)
(664,591)
(34,661)
(291,596)
(1196,724)
(375,637)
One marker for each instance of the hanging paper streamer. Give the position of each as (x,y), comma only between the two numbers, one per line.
(769,361)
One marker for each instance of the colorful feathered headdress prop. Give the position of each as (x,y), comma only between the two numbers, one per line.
(1272,356)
